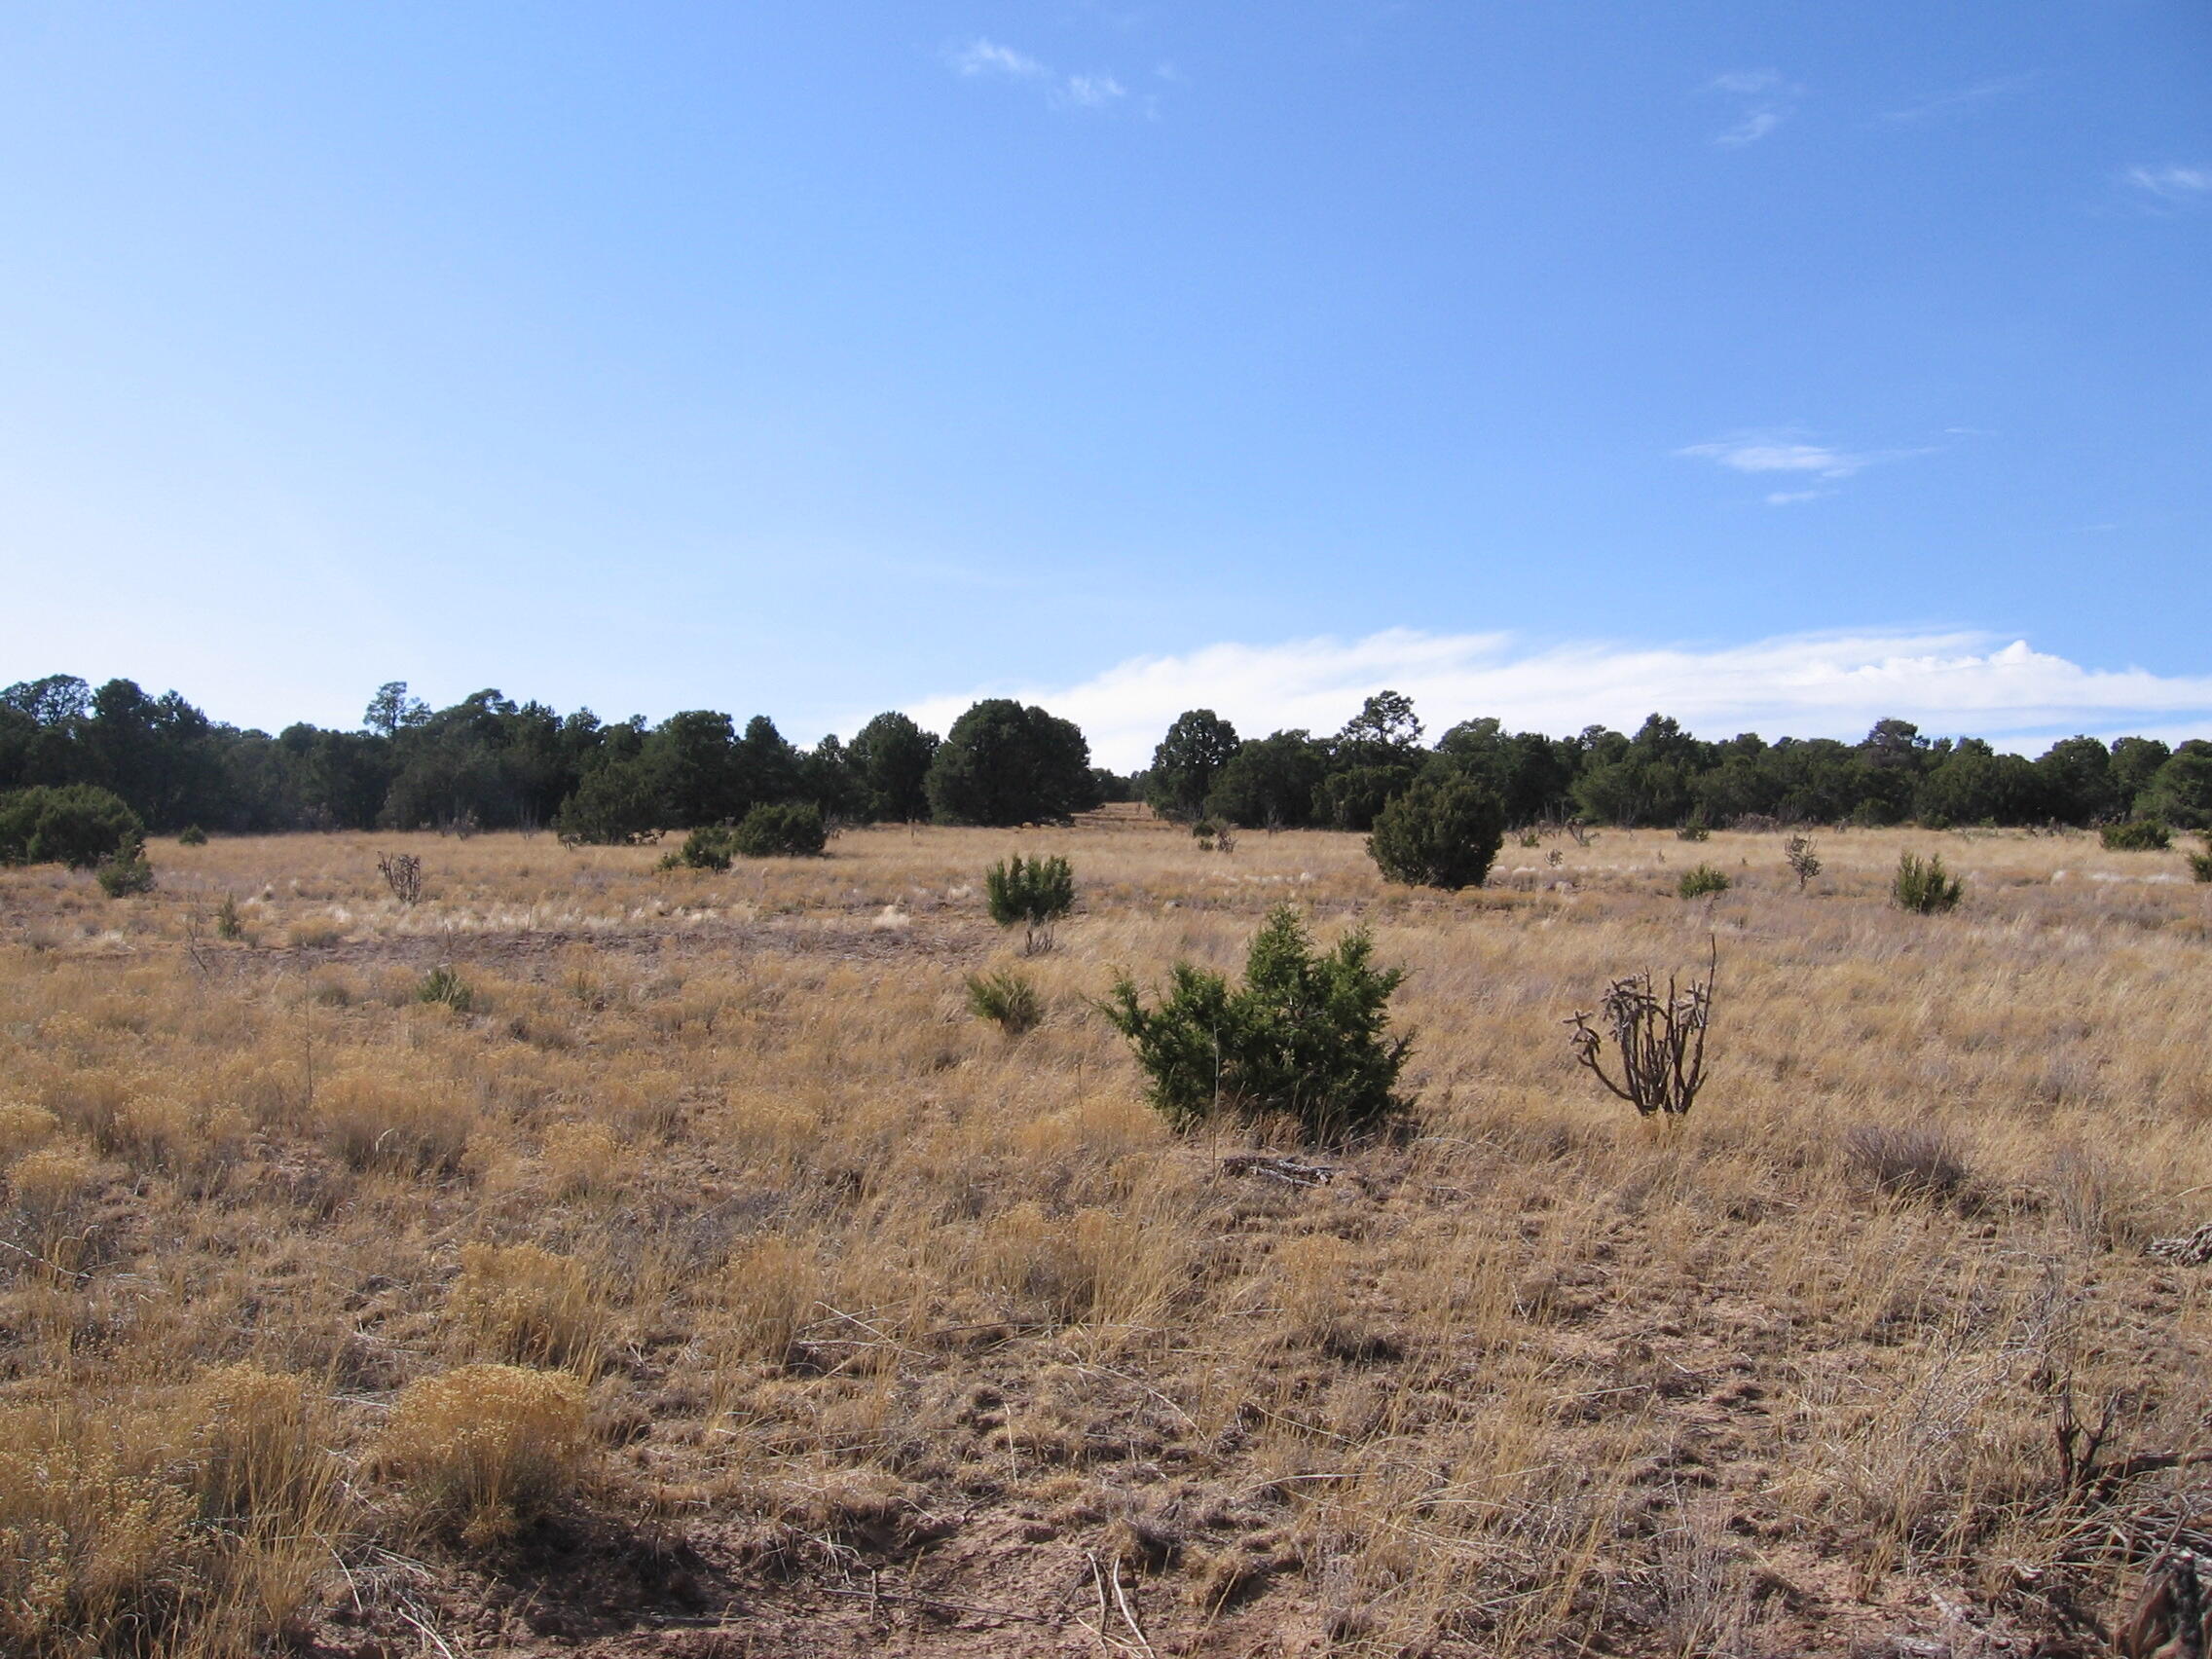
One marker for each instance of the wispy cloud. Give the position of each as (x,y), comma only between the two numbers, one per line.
(2171,186)
(988,58)
(1773,454)
(1805,686)
(983,58)
(1762,453)
(1764,97)
(1961,101)
(1094,92)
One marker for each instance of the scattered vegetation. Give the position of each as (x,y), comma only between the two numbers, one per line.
(1701,882)
(1032,895)
(1007,997)
(1305,1037)
(192,836)
(807,1302)
(2200,862)
(1923,886)
(227,924)
(1660,1039)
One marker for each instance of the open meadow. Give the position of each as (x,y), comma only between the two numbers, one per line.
(696,1275)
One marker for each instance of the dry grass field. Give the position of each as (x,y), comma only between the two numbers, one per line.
(712,1283)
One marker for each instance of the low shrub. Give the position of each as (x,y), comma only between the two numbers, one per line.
(709,847)
(1910,1162)
(124,874)
(2136,835)
(2200,864)
(482,1450)
(1305,1038)
(782,830)
(1438,834)
(1802,857)
(1005,997)
(1924,887)
(441,984)
(79,825)
(1032,894)
(227,922)
(1698,883)
(1694,829)
(192,836)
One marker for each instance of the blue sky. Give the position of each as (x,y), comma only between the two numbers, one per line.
(1770,364)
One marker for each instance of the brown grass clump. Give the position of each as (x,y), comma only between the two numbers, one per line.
(522,1304)
(482,1450)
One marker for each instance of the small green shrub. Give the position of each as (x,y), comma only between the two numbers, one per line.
(2200,864)
(126,873)
(1305,1036)
(1703,880)
(782,830)
(1438,834)
(1924,888)
(2136,835)
(227,922)
(1032,894)
(705,848)
(1695,827)
(1804,860)
(192,836)
(1005,997)
(77,826)
(441,984)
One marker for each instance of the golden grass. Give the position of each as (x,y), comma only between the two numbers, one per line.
(717,1207)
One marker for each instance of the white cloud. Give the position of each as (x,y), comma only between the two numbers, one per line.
(1958,101)
(1803,685)
(1790,498)
(1094,91)
(981,57)
(2170,184)
(1773,454)
(1766,98)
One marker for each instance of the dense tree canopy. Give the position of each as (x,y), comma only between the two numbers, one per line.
(491,762)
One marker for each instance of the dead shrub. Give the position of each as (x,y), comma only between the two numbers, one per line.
(94,1551)
(483,1450)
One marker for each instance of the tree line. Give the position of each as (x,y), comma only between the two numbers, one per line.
(1663,776)
(489,762)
